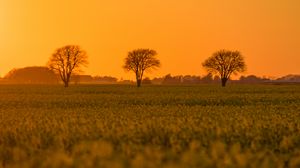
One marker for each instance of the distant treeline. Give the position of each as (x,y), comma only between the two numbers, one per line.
(42,75)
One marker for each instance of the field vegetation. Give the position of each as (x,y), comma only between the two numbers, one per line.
(118,126)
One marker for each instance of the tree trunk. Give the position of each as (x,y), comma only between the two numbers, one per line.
(138,82)
(224,80)
(66,84)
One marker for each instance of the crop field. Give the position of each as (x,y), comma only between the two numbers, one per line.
(118,126)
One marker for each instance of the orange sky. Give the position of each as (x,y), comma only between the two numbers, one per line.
(184,33)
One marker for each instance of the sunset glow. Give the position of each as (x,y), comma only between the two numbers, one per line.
(184,33)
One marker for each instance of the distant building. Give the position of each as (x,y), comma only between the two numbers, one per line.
(88,79)
(188,79)
(170,80)
(252,79)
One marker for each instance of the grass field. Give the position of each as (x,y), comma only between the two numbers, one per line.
(153,126)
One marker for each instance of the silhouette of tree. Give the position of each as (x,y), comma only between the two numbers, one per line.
(225,63)
(146,81)
(66,60)
(31,75)
(139,61)
(208,78)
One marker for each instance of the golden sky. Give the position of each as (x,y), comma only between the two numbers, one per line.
(183,32)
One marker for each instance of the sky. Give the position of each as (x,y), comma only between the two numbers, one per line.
(183,32)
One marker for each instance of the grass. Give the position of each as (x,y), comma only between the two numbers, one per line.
(153,126)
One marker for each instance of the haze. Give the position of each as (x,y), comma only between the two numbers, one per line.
(183,32)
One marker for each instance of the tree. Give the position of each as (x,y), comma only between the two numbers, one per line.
(67,60)
(225,63)
(139,61)
(31,75)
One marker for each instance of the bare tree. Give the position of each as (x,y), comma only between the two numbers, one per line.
(139,61)
(67,60)
(225,63)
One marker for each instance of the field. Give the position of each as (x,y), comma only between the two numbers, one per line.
(117,126)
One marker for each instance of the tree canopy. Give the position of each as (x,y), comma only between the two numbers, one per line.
(225,63)
(67,60)
(139,61)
